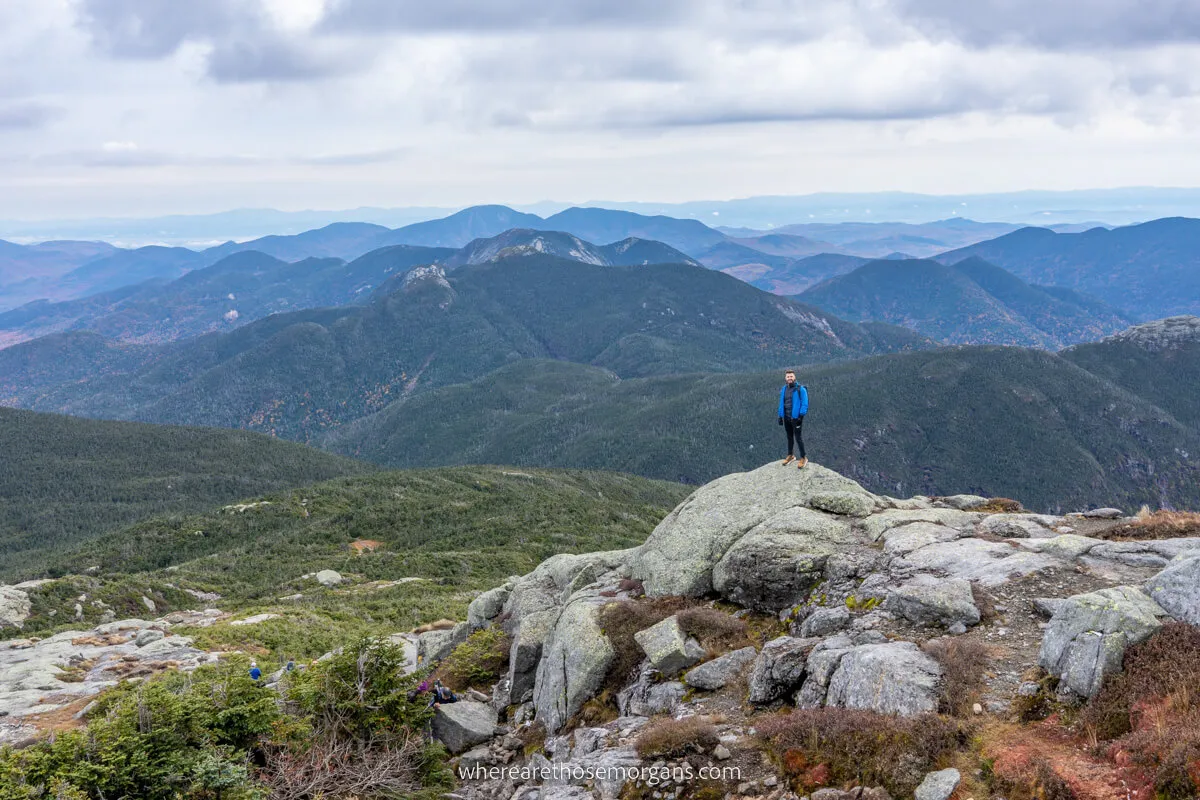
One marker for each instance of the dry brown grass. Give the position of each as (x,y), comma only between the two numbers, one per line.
(718,631)
(835,746)
(360,546)
(963,663)
(670,738)
(436,625)
(1155,525)
(1151,711)
(1000,505)
(620,620)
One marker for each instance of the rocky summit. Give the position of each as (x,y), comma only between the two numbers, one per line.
(852,600)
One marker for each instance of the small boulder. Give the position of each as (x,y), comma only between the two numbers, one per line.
(645,698)
(713,675)
(147,636)
(779,668)
(1103,513)
(934,602)
(462,725)
(668,647)
(938,785)
(329,577)
(825,621)
(1177,589)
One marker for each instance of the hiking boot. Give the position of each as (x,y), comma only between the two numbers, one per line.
(800,464)
(789,459)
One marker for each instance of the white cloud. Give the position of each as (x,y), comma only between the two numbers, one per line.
(333,103)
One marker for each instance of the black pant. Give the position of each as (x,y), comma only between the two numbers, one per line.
(794,428)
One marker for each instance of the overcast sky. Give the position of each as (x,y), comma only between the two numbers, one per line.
(142,107)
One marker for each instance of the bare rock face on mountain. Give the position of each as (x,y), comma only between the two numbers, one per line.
(858,578)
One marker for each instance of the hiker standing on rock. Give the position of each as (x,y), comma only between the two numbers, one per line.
(793,405)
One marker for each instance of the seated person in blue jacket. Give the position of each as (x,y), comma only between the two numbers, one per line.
(793,405)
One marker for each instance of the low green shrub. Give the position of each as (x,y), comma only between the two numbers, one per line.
(478,662)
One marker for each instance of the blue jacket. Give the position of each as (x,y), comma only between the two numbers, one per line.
(255,673)
(798,409)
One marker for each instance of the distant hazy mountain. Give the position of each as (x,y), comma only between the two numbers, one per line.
(250,285)
(879,239)
(785,244)
(128,267)
(790,276)
(1120,206)
(462,228)
(628,252)
(997,421)
(604,226)
(972,302)
(28,272)
(300,373)
(345,240)
(1150,270)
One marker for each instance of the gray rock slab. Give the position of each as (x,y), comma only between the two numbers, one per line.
(575,659)
(825,621)
(1177,589)
(713,675)
(892,678)
(779,668)
(462,725)
(931,601)
(877,524)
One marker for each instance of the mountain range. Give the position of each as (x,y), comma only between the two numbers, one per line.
(298,374)
(970,302)
(1150,270)
(248,285)
(1006,421)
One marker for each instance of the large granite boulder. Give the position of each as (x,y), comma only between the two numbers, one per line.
(14,607)
(668,646)
(1177,589)
(889,678)
(575,659)
(679,556)
(1088,634)
(462,725)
